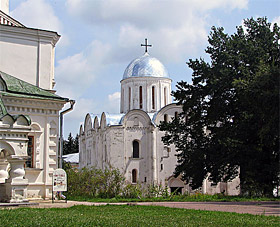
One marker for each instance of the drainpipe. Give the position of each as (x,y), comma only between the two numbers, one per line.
(72,102)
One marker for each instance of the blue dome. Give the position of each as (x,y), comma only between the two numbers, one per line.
(145,66)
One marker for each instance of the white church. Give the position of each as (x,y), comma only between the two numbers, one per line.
(131,140)
(29,110)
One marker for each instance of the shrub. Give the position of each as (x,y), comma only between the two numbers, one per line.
(93,182)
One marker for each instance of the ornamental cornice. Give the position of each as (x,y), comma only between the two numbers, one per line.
(20,105)
(145,79)
(135,128)
(30,34)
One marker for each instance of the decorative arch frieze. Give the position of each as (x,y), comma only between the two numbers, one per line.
(103,121)
(87,123)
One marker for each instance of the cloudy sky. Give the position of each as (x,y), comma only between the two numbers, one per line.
(100,38)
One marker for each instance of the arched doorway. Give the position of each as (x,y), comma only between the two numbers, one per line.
(176,186)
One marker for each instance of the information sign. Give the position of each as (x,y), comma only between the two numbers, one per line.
(59,180)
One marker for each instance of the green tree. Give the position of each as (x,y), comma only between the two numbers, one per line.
(230,120)
(71,145)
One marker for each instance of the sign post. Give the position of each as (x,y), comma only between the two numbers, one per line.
(59,183)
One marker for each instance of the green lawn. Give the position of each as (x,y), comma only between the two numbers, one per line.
(128,216)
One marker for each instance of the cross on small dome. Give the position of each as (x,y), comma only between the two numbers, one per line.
(146,45)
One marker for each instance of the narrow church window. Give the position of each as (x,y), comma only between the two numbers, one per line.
(30,152)
(135,153)
(176,115)
(134,176)
(161,167)
(165,96)
(140,98)
(165,117)
(122,97)
(153,97)
(129,99)
(145,179)
(105,151)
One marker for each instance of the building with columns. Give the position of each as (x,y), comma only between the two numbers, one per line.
(131,140)
(29,110)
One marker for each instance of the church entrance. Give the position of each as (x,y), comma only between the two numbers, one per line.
(176,190)
(176,186)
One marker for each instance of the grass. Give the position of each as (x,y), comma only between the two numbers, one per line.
(111,215)
(177,198)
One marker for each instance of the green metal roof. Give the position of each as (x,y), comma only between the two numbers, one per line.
(19,88)
(3,110)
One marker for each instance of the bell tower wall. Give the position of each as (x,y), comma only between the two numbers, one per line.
(149,94)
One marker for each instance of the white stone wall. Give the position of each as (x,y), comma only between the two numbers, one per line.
(28,54)
(118,141)
(4,6)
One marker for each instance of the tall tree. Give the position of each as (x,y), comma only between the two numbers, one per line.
(230,121)
(71,145)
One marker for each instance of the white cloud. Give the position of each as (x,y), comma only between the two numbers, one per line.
(146,12)
(74,74)
(39,14)
(114,97)
(113,106)
(81,108)
(276,20)
(176,28)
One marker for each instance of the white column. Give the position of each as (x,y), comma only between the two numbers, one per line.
(154,156)
(16,185)
(3,171)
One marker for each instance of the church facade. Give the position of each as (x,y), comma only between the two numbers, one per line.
(29,110)
(131,140)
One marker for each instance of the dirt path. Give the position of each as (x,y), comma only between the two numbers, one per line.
(265,208)
(260,208)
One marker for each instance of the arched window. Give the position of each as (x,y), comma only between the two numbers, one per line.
(129,98)
(30,152)
(135,152)
(165,118)
(153,98)
(165,96)
(122,98)
(176,115)
(140,98)
(134,176)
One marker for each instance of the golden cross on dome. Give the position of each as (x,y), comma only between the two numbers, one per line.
(146,45)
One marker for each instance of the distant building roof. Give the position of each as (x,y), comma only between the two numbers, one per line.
(71,158)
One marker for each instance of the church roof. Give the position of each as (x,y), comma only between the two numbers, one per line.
(8,20)
(145,66)
(3,110)
(111,119)
(13,86)
(117,119)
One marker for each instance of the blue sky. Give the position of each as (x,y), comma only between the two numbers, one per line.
(100,38)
